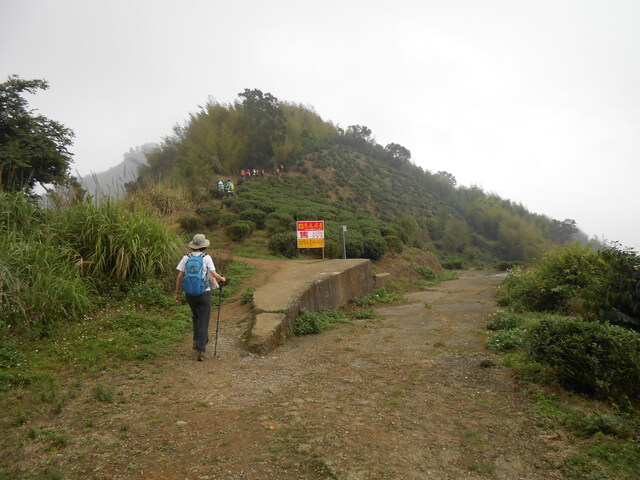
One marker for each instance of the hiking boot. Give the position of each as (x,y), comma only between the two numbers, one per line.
(195,345)
(200,356)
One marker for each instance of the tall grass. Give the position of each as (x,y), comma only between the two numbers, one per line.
(39,286)
(52,258)
(111,242)
(159,198)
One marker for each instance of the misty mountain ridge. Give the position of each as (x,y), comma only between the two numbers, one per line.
(112,182)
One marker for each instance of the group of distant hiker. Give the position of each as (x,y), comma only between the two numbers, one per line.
(228,187)
(247,174)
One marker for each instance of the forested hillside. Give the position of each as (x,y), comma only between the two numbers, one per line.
(345,177)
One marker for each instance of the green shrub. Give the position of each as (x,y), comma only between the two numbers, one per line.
(354,244)
(10,353)
(285,244)
(598,359)
(191,224)
(506,340)
(426,272)
(374,246)
(364,313)
(40,285)
(159,199)
(394,244)
(227,218)
(254,215)
(549,284)
(376,297)
(210,216)
(315,322)
(332,249)
(505,321)
(247,297)
(615,293)
(238,230)
(150,294)
(279,222)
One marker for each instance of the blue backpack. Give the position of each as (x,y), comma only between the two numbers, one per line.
(193,282)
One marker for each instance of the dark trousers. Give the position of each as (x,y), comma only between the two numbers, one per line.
(201,310)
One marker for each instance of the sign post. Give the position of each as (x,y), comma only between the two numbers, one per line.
(343,228)
(311,234)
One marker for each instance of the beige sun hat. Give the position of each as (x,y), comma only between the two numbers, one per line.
(199,241)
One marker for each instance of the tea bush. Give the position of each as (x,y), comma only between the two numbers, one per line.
(209,215)
(598,359)
(255,215)
(354,243)
(394,244)
(374,246)
(238,230)
(285,244)
(191,224)
(279,222)
(562,274)
(615,293)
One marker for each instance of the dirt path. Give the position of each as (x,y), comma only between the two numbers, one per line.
(412,394)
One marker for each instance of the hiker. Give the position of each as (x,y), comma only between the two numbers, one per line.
(230,188)
(197,274)
(220,185)
(242,173)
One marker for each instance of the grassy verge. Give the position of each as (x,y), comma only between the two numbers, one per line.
(83,368)
(606,436)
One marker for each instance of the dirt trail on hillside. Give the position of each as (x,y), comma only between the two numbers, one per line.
(412,394)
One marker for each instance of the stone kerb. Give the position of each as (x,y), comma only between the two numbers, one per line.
(308,285)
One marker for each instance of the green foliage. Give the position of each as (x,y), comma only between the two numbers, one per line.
(150,294)
(191,224)
(549,284)
(238,230)
(255,215)
(506,340)
(33,148)
(10,352)
(315,322)
(354,244)
(279,222)
(598,359)
(110,242)
(156,197)
(364,313)
(284,244)
(103,394)
(376,297)
(505,321)
(374,246)
(210,216)
(426,272)
(247,297)
(394,244)
(41,285)
(615,293)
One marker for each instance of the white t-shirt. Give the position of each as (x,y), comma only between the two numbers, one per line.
(207,266)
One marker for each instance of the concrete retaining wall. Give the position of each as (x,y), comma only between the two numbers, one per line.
(309,286)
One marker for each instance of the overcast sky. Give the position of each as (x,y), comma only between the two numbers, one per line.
(537,101)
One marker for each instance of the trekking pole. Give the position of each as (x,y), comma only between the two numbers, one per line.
(215,345)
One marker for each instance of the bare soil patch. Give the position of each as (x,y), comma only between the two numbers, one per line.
(412,394)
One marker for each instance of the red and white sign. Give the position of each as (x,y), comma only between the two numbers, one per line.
(311,234)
